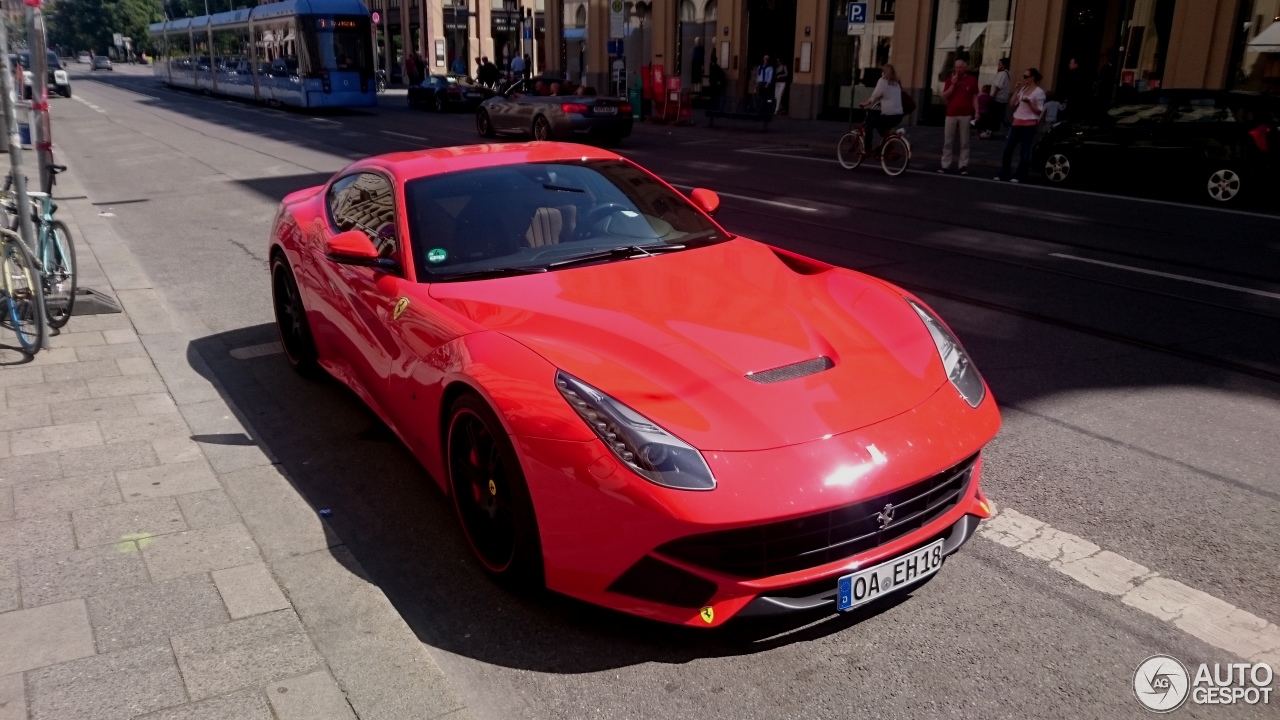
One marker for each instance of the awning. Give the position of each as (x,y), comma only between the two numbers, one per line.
(1268,41)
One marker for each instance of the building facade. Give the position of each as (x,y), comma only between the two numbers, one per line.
(1115,44)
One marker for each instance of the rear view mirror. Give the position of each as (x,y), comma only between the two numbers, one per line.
(706,200)
(353,247)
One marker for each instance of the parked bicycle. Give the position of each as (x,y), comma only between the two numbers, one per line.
(55,253)
(894,151)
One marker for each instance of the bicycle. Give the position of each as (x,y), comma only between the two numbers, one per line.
(23,307)
(55,252)
(894,150)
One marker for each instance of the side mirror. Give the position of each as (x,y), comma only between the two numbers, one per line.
(706,200)
(353,247)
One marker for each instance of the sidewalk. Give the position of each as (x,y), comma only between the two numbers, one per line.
(822,136)
(154,562)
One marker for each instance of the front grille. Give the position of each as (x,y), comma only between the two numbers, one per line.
(813,540)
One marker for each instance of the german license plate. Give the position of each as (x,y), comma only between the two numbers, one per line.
(472,96)
(864,586)
(606,111)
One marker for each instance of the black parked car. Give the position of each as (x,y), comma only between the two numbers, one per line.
(448,92)
(1218,145)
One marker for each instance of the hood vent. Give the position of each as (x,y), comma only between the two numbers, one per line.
(793,371)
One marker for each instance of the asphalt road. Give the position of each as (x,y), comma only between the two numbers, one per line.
(1131,344)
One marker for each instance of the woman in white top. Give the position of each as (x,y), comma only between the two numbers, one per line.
(888,93)
(1028,106)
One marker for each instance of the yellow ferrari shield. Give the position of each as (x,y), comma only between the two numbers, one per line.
(401,305)
(708,614)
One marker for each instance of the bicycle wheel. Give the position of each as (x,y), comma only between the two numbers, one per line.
(849,150)
(26,309)
(59,274)
(895,156)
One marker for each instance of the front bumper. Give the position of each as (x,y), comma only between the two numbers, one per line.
(602,525)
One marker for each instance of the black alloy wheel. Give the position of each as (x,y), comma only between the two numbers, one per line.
(291,320)
(483,125)
(541,129)
(490,495)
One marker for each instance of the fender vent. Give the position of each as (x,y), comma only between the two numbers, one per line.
(792,371)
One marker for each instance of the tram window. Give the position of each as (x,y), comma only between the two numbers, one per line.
(277,41)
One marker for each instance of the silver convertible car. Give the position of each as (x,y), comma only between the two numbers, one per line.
(525,109)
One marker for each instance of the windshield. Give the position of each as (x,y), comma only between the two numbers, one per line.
(51,59)
(340,42)
(533,215)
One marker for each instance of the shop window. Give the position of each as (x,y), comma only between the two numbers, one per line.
(854,60)
(980,32)
(1145,38)
(1256,56)
(885,9)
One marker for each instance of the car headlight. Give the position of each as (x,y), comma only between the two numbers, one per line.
(651,452)
(60,77)
(960,369)
(26,75)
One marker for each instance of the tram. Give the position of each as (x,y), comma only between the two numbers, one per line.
(304,53)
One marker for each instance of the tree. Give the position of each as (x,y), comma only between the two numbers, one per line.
(89,24)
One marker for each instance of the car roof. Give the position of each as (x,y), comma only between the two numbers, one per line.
(405,166)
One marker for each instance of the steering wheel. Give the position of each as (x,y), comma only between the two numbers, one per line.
(600,212)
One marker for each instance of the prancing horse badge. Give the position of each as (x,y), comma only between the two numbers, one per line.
(401,305)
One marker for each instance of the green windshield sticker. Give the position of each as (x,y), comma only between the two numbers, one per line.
(437,255)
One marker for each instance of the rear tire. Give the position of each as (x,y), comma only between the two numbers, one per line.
(291,321)
(490,495)
(60,295)
(483,125)
(849,150)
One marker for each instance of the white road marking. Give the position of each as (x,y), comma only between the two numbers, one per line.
(701,142)
(1171,276)
(748,198)
(88,104)
(1196,613)
(255,351)
(404,135)
(323,121)
(769,152)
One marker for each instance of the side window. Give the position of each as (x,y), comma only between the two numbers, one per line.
(366,202)
(1202,110)
(1138,115)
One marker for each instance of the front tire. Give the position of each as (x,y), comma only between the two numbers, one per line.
(291,321)
(60,295)
(490,495)
(484,126)
(1224,186)
(849,150)
(541,129)
(1058,169)
(895,156)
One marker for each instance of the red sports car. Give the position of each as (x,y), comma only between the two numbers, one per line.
(626,402)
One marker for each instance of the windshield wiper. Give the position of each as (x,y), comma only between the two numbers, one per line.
(562,188)
(492,273)
(618,253)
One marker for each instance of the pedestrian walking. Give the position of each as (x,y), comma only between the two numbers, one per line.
(1000,91)
(764,79)
(888,93)
(1028,107)
(1052,111)
(960,92)
(699,62)
(780,76)
(411,69)
(717,79)
(459,66)
(517,68)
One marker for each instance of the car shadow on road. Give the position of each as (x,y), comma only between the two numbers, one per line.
(396,521)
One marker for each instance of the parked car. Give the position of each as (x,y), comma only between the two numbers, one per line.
(626,403)
(448,92)
(1221,146)
(101,62)
(84,58)
(523,108)
(58,79)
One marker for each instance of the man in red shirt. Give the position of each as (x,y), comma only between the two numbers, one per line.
(961,95)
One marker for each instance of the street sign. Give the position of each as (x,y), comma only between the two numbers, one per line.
(617,19)
(117,39)
(376,18)
(857,18)
(528,33)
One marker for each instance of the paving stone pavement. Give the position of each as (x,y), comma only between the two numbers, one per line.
(144,573)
